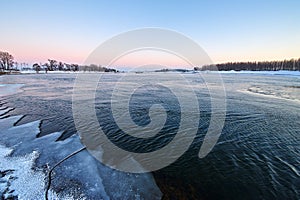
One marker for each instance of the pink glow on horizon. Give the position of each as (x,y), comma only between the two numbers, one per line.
(151,57)
(40,54)
(35,56)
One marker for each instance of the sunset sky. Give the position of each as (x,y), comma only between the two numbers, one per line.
(33,31)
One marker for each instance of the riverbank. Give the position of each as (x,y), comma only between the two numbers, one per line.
(9,72)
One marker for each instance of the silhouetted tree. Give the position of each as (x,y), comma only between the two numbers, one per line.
(36,67)
(60,66)
(6,61)
(52,65)
(75,67)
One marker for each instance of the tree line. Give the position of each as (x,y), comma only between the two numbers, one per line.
(290,65)
(7,63)
(53,65)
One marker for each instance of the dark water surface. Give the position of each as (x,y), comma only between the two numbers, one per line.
(256,157)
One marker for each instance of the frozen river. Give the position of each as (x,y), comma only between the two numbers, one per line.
(256,157)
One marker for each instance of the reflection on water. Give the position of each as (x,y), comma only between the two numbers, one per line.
(256,157)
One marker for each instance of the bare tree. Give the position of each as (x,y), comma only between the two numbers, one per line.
(52,65)
(16,65)
(6,61)
(36,67)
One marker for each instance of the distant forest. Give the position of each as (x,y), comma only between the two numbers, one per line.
(290,65)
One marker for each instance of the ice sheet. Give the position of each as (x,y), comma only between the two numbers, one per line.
(81,176)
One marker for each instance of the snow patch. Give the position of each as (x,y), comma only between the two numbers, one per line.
(19,179)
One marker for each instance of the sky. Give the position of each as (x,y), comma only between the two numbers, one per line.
(69,30)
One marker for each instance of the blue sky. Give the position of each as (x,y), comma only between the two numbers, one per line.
(69,30)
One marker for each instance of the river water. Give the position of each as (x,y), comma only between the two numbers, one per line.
(256,157)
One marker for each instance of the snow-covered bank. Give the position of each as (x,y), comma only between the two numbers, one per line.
(58,72)
(50,72)
(281,72)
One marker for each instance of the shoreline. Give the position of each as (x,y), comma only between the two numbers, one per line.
(293,73)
